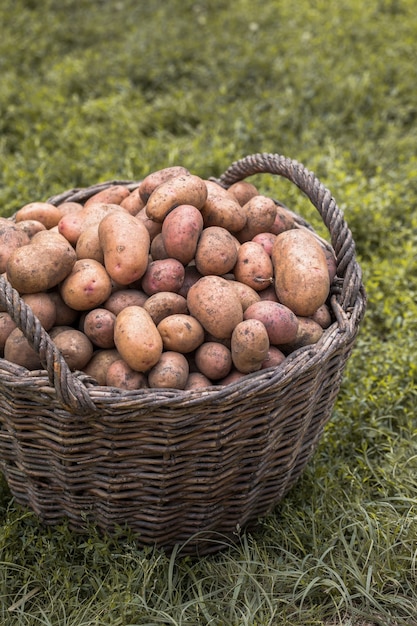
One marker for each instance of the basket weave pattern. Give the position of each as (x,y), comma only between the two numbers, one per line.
(171,464)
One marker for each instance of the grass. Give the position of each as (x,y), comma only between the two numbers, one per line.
(96,91)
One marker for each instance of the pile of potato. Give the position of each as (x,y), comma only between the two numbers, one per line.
(176,284)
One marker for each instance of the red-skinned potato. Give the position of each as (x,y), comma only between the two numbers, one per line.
(183,189)
(181,230)
(191,276)
(216,252)
(322,316)
(137,338)
(284,220)
(98,325)
(213,359)
(308,333)
(125,243)
(301,272)
(280,322)
(163,275)
(253,266)
(250,345)
(171,371)
(246,294)
(266,240)
(216,305)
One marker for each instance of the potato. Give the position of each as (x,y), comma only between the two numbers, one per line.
(99,327)
(153,228)
(153,180)
(253,266)
(233,377)
(197,380)
(163,275)
(180,233)
(69,207)
(44,212)
(158,250)
(125,243)
(191,276)
(11,238)
(87,286)
(42,264)
(55,330)
(88,245)
(260,216)
(75,347)
(274,358)
(64,315)
(216,305)
(124,297)
(280,322)
(73,224)
(184,189)
(6,327)
(308,333)
(250,345)
(302,280)
(43,306)
(213,359)
(243,191)
(246,294)
(322,316)
(284,220)
(114,194)
(216,251)
(99,364)
(222,209)
(165,303)
(266,240)
(171,371)
(18,350)
(120,375)
(181,332)
(137,338)
(30,227)
(133,203)
(331,262)
(268,294)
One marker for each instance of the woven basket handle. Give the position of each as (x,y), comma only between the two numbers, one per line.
(70,390)
(321,198)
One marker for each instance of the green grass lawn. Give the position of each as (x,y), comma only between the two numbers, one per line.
(106,90)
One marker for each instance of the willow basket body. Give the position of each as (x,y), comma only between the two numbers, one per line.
(170,465)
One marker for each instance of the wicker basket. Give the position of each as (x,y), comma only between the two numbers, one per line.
(175,466)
